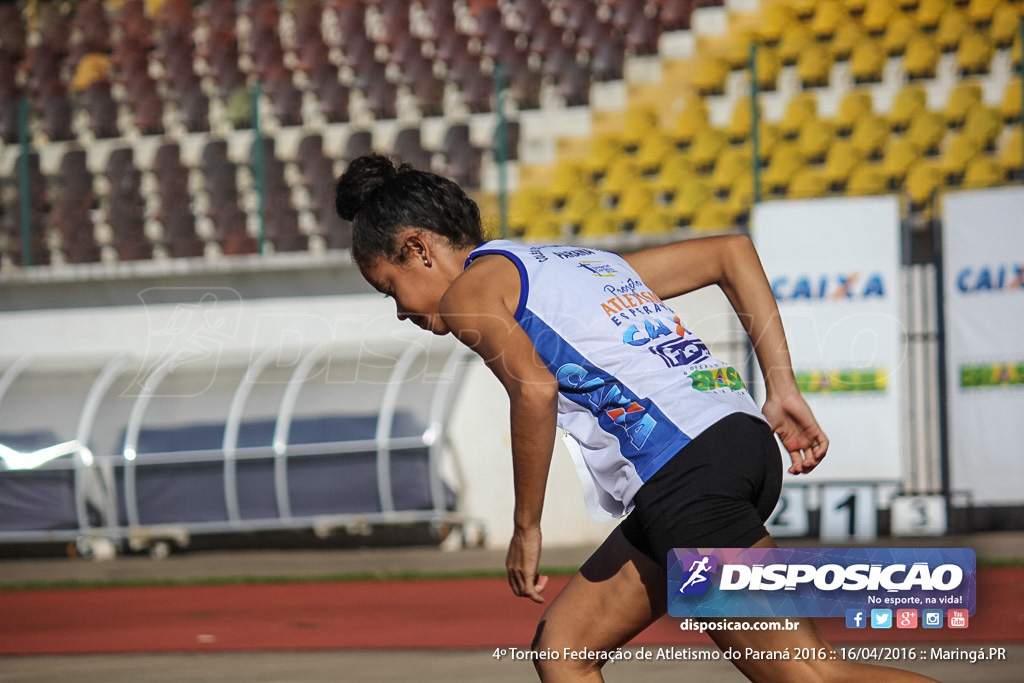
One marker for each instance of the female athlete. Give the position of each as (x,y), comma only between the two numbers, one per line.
(582,339)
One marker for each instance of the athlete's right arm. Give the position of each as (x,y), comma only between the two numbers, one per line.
(477,308)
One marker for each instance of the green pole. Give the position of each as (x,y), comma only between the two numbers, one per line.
(259,166)
(25,200)
(501,150)
(1021,36)
(755,115)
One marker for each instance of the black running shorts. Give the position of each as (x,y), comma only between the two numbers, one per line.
(717,492)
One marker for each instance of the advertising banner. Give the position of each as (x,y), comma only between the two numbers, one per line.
(833,265)
(983,272)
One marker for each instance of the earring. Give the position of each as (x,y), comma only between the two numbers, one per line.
(426,262)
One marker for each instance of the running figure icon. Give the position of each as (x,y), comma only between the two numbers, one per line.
(696,570)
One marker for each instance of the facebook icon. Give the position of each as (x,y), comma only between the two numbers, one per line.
(856,618)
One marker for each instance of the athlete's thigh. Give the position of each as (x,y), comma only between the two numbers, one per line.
(617,593)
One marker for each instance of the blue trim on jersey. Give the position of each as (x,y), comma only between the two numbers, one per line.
(646,436)
(524,281)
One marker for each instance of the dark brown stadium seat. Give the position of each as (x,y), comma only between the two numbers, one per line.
(409,148)
(462,158)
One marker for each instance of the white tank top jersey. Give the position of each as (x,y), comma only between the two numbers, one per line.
(635,386)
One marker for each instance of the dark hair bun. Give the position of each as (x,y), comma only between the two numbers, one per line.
(363,175)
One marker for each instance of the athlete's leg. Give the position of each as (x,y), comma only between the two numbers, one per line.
(793,671)
(617,593)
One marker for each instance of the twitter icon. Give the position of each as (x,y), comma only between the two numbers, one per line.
(881,618)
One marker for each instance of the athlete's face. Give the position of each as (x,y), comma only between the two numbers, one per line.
(415,286)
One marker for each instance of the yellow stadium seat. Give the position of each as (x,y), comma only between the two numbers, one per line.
(800,109)
(741,196)
(952,26)
(655,222)
(983,124)
(768,68)
(870,135)
(974,54)
(1015,53)
(794,39)
(600,223)
(846,38)
(909,101)
(693,119)
(867,62)
(1011,156)
(900,154)
(580,204)
(1011,105)
(922,181)
(921,57)
(604,149)
(733,163)
(689,199)
(656,146)
(855,7)
(635,202)
(786,160)
(866,179)
(803,9)
(960,99)
(709,78)
(806,183)
(840,161)
(714,216)
(569,175)
(774,20)
(814,140)
(877,14)
(738,128)
(851,107)
(641,121)
(676,171)
(828,15)
(960,150)
(542,228)
(814,65)
(929,13)
(706,148)
(623,171)
(737,54)
(980,12)
(982,172)
(897,34)
(926,131)
(1005,25)
(768,137)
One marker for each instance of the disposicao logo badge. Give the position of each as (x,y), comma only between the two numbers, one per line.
(696,577)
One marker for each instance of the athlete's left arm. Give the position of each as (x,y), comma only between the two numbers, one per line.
(732,263)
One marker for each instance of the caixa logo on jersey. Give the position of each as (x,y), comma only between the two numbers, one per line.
(852,286)
(819,582)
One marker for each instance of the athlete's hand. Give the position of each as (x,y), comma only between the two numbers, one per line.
(791,418)
(522,563)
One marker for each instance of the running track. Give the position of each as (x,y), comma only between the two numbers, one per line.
(442,613)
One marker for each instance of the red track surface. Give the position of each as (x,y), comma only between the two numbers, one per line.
(451,613)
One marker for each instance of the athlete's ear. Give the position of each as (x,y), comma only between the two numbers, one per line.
(417,247)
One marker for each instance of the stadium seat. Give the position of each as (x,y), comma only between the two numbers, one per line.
(851,107)
(688,200)
(926,131)
(814,140)
(654,149)
(676,172)
(690,121)
(909,101)
(641,122)
(898,32)
(814,65)
(959,151)
(795,38)
(983,124)
(877,15)
(974,53)
(775,18)
(709,78)
(801,108)
(713,216)
(734,163)
(900,154)
(848,36)
(870,135)
(866,179)
(785,161)
(622,173)
(706,148)
(982,172)
(462,159)
(867,62)
(980,12)
(921,58)
(1005,27)
(738,128)
(923,179)
(655,222)
(1011,156)
(841,159)
(961,98)
(806,183)
(929,13)
(953,25)
(636,201)
(1011,101)
(828,15)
